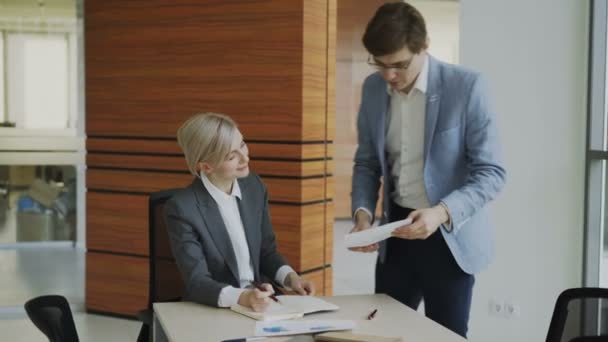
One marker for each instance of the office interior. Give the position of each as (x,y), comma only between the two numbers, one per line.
(93,91)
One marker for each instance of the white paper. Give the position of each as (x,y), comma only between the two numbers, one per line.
(373,235)
(281,328)
(305,304)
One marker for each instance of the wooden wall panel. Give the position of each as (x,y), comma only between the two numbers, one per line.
(144,146)
(137,162)
(151,64)
(289,151)
(291,190)
(117,223)
(314,64)
(330,128)
(178,163)
(116,284)
(300,233)
(173,60)
(135,181)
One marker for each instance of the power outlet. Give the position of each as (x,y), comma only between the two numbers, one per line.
(511,309)
(503,308)
(496,308)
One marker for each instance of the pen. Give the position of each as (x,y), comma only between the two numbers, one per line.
(245,339)
(259,287)
(372,314)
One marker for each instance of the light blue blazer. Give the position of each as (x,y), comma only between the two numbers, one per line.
(462,165)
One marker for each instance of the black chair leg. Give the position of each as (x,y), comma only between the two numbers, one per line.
(144,334)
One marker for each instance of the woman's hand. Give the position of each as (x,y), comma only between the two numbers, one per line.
(256,299)
(300,285)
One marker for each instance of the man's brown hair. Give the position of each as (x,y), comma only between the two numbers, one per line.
(394,26)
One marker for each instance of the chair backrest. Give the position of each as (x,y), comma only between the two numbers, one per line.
(53,316)
(165,280)
(580,314)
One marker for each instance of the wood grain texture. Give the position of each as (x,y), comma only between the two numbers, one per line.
(300,234)
(151,71)
(328,252)
(116,283)
(290,168)
(117,223)
(314,64)
(280,189)
(169,147)
(156,146)
(330,78)
(136,181)
(328,281)
(137,162)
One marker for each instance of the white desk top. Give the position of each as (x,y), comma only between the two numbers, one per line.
(186,321)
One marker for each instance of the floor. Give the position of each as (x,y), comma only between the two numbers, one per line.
(56,268)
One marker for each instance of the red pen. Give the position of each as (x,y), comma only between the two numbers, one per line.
(372,314)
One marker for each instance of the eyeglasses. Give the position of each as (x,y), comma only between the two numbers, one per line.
(399,66)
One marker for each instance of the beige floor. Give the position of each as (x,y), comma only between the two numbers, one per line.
(30,272)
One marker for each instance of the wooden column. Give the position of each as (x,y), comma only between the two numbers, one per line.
(151,64)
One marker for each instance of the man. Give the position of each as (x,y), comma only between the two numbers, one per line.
(426,129)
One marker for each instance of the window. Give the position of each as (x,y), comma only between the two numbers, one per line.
(38,57)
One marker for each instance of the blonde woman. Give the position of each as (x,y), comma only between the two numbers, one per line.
(219,226)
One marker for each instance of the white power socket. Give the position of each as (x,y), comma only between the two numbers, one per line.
(503,308)
(511,309)
(496,308)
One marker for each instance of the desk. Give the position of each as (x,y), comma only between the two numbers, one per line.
(185,321)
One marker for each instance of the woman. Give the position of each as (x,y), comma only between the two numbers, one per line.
(219,226)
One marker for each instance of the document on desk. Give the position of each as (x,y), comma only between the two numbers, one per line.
(281,328)
(374,234)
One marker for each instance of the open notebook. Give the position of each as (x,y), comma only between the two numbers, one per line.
(289,307)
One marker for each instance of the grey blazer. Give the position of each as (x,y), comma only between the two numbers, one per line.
(200,242)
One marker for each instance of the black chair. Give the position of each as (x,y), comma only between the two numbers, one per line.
(165,282)
(53,316)
(580,315)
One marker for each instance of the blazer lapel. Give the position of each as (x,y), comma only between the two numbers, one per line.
(433,100)
(249,218)
(215,224)
(382,126)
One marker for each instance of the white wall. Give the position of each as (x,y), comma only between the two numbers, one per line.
(534,55)
(442,24)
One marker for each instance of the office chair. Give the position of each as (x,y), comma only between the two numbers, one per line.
(576,313)
(165,282)
(52,315)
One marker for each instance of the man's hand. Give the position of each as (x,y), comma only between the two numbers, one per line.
(300,285)
(424,223)
(256,299)
(363,221)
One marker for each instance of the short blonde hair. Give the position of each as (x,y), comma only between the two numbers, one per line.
(206,137)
